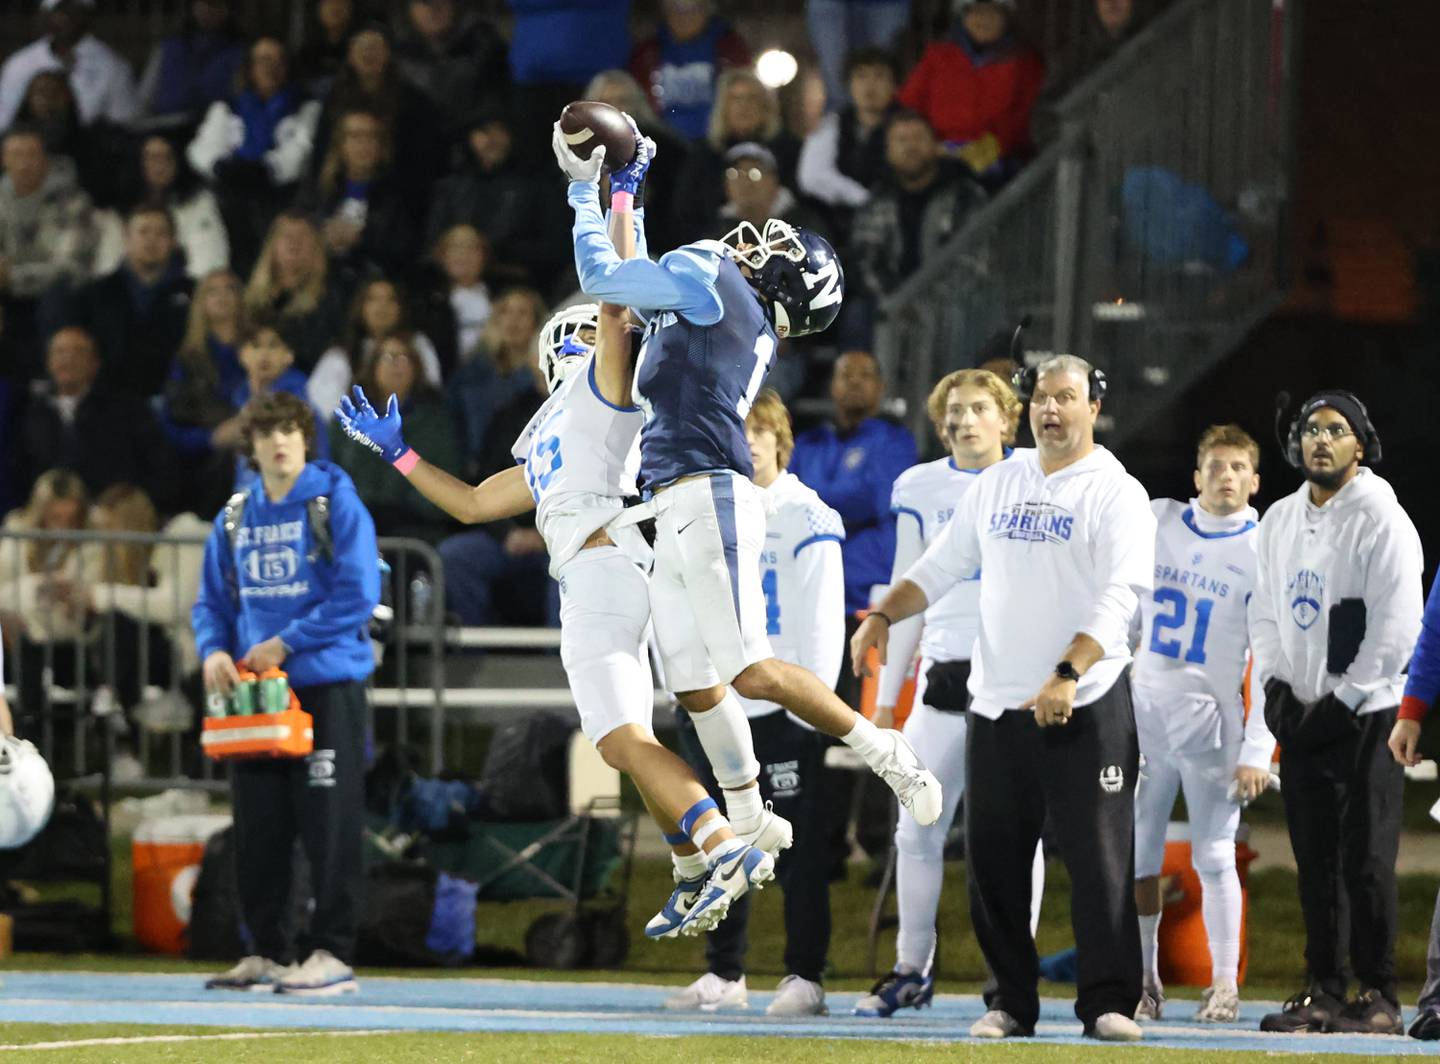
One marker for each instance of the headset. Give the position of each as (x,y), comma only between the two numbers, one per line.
(1025,376)
(1289,439)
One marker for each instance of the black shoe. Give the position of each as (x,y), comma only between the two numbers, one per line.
(1370,1013)
(1426,1026)
(1309,1010)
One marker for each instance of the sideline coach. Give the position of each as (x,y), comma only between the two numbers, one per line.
(1066,540)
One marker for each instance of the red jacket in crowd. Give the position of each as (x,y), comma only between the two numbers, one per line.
(966,95)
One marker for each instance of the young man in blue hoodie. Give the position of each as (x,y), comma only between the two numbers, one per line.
(274,594)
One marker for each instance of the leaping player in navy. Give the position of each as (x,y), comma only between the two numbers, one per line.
(716,312)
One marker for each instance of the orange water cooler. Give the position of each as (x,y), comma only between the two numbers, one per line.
(1184,949)
(167,852)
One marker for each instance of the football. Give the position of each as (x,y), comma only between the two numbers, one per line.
(588,124)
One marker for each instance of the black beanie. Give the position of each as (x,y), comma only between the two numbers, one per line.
(1352,410)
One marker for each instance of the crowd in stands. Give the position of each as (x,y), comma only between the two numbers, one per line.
(374,204)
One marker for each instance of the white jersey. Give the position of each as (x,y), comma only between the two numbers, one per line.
(1194,638)
(581,454)
(802,576)
(923,501)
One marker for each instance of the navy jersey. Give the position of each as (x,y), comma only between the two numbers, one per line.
(695,383)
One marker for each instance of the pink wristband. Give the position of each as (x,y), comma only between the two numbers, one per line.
(623,202)
(407,462)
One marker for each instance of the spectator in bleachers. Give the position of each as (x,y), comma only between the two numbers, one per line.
(977,87)
(923,202)
(47,235)
(456,305)
(197,411)
(372,218)
(106,435)
(852,463)
(455,57)
(845,156)
(678,65)
(394,368)
(103,82)
(619,89)
(753,193)
(269,366)
(255,146)
(31,615)
(378,310)
(371,82)
(163,178)
(839,28)
(497,376)
(290,284)
(511,204)
(137,312)
(1108,25)
(745,112)
(97,150)
(556,47)
(329,25)
(194,68)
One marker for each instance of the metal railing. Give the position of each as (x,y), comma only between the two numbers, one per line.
(99,647)
(1148,237)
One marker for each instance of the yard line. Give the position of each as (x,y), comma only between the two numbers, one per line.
(234,1036)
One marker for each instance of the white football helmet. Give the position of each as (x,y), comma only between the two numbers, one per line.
(27,792)
(562,348)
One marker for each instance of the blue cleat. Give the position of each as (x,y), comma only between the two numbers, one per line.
(898,990)
(729,878)
(666,923)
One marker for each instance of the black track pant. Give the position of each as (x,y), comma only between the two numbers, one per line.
(322,798)
(792,776)
(1082,776)
(1342,804)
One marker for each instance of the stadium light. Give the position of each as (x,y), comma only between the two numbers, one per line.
(776,68)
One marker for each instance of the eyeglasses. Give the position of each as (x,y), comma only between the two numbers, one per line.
(754,173)
(1334,431)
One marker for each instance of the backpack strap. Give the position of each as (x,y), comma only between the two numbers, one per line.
(235,516)
(317,511)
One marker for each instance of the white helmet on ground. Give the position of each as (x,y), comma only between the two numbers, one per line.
(27,792)
(562,348)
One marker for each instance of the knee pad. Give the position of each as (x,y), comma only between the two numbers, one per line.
(921,844)
(1213,858)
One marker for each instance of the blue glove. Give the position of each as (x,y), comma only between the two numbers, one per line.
(363,425)
(629,177)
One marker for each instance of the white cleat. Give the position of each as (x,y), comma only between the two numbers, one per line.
(710,993)
(798,997)
(773,835)
(322,975)
(995,1024)
(1219,1004)
(914,784)
(252,973)
(729,878)
(1115,1027)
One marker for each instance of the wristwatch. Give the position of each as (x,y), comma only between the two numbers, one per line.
(1066,671)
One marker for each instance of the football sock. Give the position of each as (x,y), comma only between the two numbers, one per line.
(867,740)
(1220,905)
(690,865)
(724,734)
(917,896)
(745,809)
(1149,952)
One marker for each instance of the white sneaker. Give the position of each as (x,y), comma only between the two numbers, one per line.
(1219,1004)
(1115,1027)
(1152,1001)
(798,997)
(710,993)
(995,1024)
(773,835)
(322,975)
(914,784)
(252,973)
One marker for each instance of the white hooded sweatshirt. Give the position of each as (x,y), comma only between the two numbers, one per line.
(1360,547)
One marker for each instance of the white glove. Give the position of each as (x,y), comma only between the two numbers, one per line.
(576,168)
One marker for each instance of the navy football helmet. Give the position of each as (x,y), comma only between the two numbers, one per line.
(796,270)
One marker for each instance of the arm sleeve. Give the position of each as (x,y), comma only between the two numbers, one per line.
(213,615)
(1264,631)
(1258,746)
(904,635)
(1423,685)
(684,282)
(822,588)
(356,587)
(955,553)
(1124,558)
(1393,607)
(819,172)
